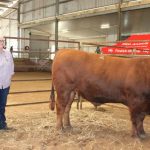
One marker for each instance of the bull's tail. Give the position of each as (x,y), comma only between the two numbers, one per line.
(52,98)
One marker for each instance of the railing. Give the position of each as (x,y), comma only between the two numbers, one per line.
(36,48)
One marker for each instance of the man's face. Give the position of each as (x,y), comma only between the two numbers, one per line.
(2,41)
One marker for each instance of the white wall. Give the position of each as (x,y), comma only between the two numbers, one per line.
(9,28)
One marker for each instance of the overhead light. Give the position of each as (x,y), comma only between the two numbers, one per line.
(1,10)
(134,1)
(105,26)
(65,31)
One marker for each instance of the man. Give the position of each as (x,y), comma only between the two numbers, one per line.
(98,50)
(6,72)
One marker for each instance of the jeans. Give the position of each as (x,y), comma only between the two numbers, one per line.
(3,101)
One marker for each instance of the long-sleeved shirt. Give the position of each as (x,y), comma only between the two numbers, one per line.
(6,68)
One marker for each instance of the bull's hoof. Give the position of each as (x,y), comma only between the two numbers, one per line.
(68,127)
(140,136)
(58,128)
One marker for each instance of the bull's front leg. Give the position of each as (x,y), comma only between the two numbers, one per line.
(137,124)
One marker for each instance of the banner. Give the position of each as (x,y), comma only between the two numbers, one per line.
(131,46)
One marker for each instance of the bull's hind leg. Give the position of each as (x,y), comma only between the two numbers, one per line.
(67,111)
(60,111)
(63,98)
(60,108)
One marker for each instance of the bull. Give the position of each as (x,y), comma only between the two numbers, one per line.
(101,80)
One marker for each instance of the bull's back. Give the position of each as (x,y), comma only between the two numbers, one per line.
(79,61)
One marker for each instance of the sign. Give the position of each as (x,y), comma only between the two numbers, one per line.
(130,46)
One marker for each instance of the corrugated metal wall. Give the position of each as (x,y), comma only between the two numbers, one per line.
(38,46)
(36,9)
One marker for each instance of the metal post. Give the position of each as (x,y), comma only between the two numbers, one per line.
(56,24)
(119,21)
(18,18)
(79,46)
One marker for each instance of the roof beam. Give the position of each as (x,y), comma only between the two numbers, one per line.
(6,1)
(4,6)
(7,18)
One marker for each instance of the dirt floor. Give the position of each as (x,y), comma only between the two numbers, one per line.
(33,126)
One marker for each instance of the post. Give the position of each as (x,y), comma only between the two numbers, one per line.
(18,18)
(79,46)
(56,25)
(119,21)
